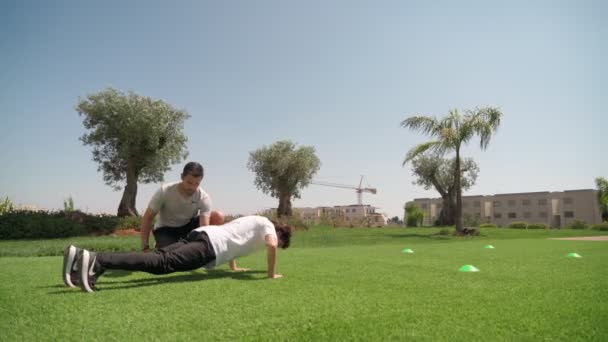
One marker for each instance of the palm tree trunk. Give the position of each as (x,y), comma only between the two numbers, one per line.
(448,212)
(127,203)
(284,208)
(459,225)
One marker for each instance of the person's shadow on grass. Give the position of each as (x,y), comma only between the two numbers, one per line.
(159,280)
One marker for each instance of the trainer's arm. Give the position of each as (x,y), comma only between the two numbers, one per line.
(146,228)
(271,253)
(203,220)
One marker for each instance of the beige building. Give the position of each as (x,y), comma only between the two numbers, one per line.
(555,209)
(349,213)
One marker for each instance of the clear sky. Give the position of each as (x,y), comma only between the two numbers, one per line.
(336,75)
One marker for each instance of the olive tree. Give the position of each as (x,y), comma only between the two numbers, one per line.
(282,170)
(134,138)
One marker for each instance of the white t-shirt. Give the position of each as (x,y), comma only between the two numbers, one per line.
(175,210)
(238,238)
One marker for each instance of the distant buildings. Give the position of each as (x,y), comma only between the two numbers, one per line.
(555,209)
(355,215)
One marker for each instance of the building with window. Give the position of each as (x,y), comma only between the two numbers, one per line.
(351,214)
(555,209)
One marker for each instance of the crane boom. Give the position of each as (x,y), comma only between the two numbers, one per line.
(358,189)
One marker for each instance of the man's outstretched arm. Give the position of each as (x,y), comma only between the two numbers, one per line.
(271,252)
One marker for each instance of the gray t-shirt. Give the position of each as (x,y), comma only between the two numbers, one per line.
(175,210)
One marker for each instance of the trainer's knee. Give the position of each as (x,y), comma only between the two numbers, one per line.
(216,218)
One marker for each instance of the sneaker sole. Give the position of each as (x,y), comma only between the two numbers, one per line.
(69,254)
(84,270)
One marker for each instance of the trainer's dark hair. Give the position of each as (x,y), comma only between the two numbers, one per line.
(283,233)
(193,169)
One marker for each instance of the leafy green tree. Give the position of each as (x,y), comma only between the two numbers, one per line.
(433,171)
(281,171)
(413,215)
(450,134)
(6,206)
(134,138)
(602,196)
(68,205)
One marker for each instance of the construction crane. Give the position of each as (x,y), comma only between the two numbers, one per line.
(358,189)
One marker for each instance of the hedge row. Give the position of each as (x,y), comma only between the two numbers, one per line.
(60,224)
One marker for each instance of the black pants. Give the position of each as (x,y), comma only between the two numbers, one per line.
(184,255)
(164,236)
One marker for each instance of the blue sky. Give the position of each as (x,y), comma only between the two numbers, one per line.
(336,75)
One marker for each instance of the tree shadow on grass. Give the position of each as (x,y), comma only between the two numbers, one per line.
(180,277)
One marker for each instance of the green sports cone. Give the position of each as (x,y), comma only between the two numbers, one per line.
(407,250)
(488,246)
(468,268)
(573,255)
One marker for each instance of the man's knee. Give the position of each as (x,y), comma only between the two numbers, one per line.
(216,218)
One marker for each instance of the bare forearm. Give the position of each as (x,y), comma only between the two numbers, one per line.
(146,228)
(272,260)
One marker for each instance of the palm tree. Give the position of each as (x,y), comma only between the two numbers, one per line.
(450,134)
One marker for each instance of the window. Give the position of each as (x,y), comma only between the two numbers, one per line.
(477,204)
(497,215)
(496,204)
(423,206)
(512,215)
(568,214)
(568,200)
(542,214)
(511,203)
(525,202)
(542,202)
(527,214)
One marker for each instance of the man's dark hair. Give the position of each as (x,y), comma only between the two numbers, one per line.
(283,233)
(193,169)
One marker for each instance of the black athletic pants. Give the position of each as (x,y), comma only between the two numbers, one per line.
(185,255)
(164,236)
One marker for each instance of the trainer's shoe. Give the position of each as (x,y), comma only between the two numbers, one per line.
(70,265)
(89,270)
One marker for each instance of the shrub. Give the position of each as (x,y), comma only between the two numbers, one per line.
(537,226)
(444,231)
(577,224)
(295,221)
(38,225)
(413,215)
(470,220)
(488,225)
(129,222)
(518,225)
(47,225)
(602,226)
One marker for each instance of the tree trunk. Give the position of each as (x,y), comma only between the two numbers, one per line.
(284,205)
(459,225)
(448,211)
(127,203)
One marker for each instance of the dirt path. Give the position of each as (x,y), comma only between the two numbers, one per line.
(584,238)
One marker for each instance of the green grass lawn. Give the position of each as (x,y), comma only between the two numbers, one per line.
(339,284)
